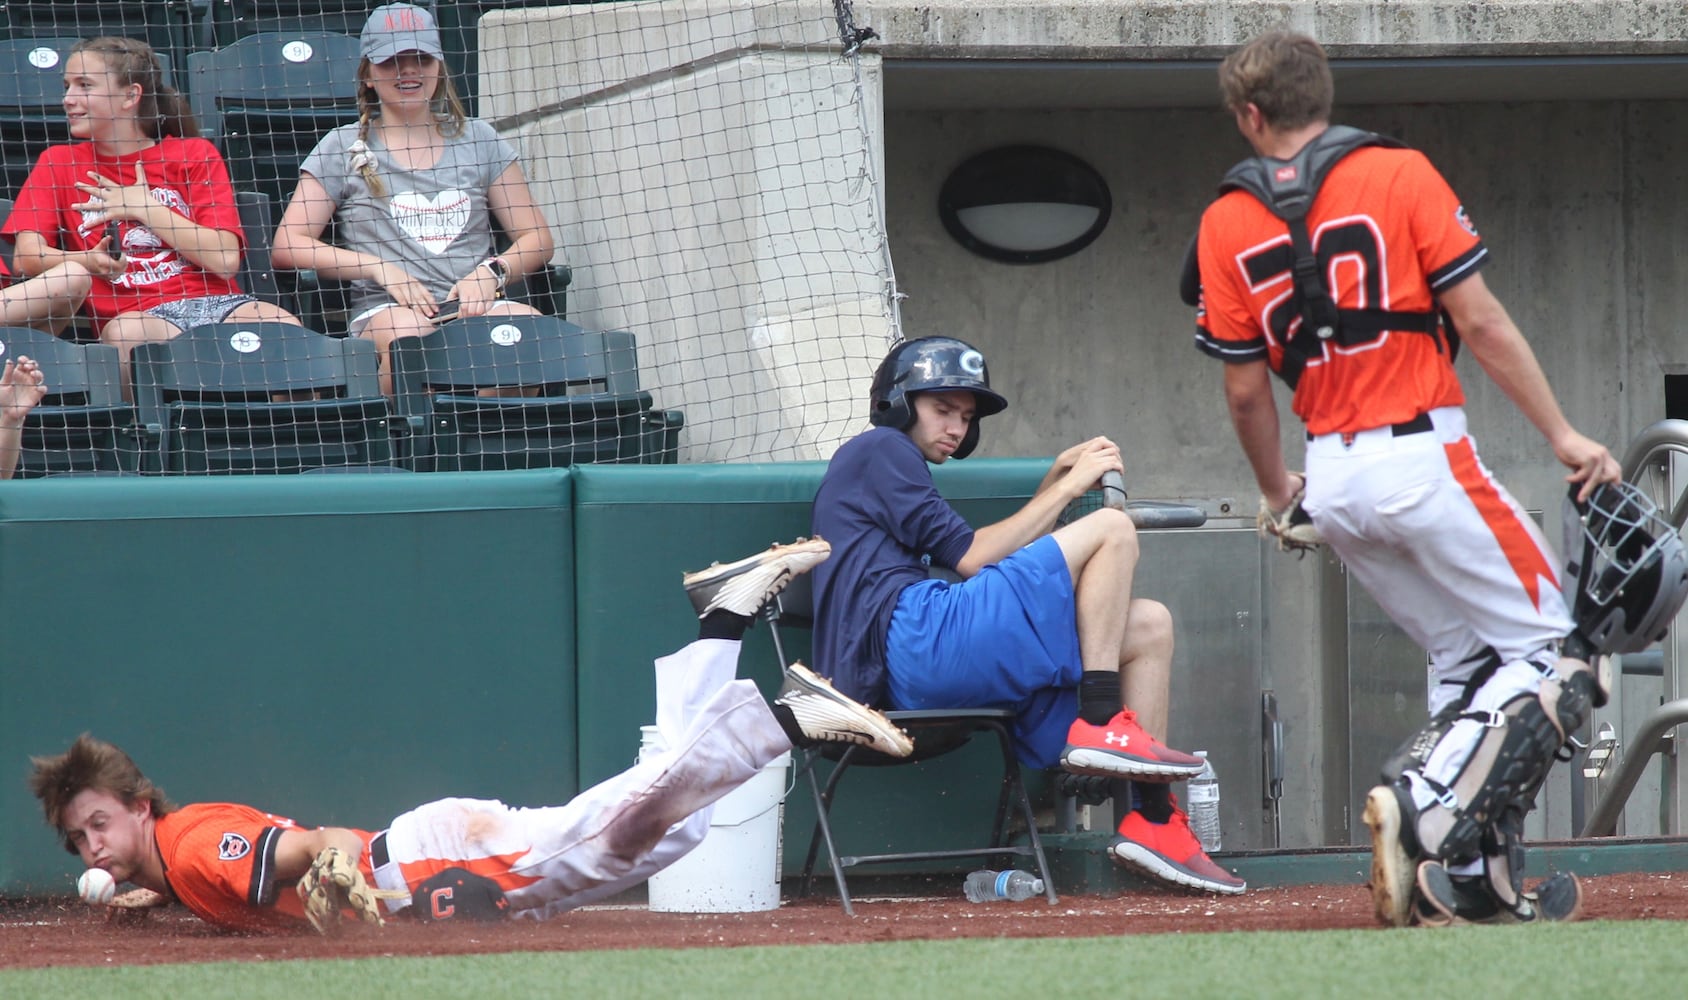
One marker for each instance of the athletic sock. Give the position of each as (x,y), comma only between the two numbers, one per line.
(1098,696)
(1120,790)
(722,624)
(1154,801)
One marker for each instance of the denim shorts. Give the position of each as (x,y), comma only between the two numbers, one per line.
(191,313)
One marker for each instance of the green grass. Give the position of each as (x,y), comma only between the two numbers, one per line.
(1640,959)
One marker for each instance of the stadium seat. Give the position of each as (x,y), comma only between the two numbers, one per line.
(935,733)
(166,25)
(259,397)
(229,21)
(83,425)
(257,272)
(7,273)
(31,115)
(266,99)
(589,406)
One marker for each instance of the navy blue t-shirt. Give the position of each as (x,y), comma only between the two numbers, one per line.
(885,520)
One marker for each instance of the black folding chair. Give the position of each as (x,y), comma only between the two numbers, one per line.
(935,733)
(259,398)
(588,407)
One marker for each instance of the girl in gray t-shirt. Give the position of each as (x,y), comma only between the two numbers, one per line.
(414,186)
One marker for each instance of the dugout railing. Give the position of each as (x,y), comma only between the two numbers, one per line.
(1657,461)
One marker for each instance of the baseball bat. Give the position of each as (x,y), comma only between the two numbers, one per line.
(1113,490)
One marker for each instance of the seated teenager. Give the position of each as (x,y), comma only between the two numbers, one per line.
(413,187)
(141,202)
(1043,623)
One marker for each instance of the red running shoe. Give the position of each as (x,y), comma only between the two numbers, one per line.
(1122,749)
(1170,852)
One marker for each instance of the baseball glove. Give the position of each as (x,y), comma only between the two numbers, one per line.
(1290,527)
(334,884)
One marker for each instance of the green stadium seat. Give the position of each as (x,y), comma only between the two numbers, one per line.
(589,406)
(83,425)
(166,25)
(259,398)
(257,271)
(266,99)
(229,21)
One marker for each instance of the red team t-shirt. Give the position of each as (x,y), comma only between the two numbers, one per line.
(1389,232)
(219,859)
(188,175)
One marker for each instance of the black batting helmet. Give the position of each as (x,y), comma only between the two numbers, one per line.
(932,364)
(1626,572)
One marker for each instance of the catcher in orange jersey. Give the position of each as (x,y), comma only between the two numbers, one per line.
(1328,260)
(244,868)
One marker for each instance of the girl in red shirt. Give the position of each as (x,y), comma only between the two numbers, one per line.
(142,203)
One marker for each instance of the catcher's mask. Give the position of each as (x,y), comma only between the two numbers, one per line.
(1626,571)
(926,365)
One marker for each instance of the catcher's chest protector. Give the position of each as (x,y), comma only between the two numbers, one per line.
(1288,188)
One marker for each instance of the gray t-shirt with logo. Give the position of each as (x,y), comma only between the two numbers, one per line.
(434,222)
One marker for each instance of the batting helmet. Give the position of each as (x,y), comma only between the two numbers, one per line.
(932,364)
(1626,571)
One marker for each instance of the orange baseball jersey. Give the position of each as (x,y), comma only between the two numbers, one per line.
(219,859)
(1388,233)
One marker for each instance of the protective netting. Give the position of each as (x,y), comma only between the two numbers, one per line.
(660,220)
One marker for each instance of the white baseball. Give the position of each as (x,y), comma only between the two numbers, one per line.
(96,886)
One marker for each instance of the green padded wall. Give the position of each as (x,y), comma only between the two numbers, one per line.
(639,528)
(335,648)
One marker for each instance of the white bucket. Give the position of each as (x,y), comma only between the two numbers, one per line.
(736,869)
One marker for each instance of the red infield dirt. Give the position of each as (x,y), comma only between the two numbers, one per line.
(69,932)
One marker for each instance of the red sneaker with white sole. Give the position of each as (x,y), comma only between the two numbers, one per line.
(1170,852)
(1123,749)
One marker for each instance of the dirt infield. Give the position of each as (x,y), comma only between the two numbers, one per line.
(68,932)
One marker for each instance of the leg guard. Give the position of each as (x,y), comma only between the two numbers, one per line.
(1513,750)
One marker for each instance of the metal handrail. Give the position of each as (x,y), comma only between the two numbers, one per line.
(1652,444)
(1654,733)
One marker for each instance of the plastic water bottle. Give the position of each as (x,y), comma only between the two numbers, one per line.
(1204,805)
(985,885)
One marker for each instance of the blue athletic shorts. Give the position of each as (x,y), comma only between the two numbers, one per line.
(1007,638)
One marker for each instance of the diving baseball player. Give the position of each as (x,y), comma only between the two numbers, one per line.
(244,868)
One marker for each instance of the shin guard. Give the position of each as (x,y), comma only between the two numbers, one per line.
(1514,748)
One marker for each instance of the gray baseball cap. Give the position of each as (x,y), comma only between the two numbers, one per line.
(399,27)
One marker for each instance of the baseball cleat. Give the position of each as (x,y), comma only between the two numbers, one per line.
(743,587)
(812,711)
(1445,898)
(1123,749)
(1393,871)
(1170,852)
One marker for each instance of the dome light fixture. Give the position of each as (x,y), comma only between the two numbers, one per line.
(1024,204)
